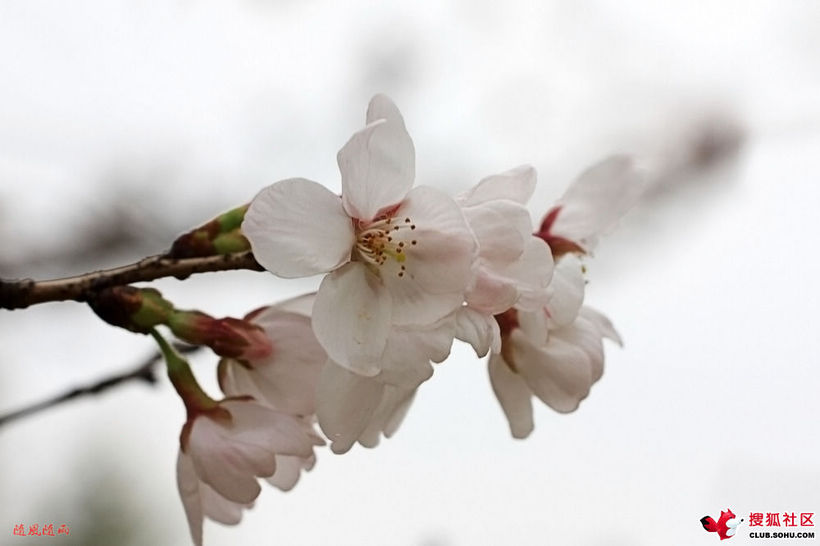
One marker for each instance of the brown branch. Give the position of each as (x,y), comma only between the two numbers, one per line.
(143,372)
(22,293)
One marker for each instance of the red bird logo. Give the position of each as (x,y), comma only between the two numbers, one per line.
(725,527)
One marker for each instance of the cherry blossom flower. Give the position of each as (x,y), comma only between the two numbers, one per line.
(558,365)
(394,255)
(556,352)
(224,449)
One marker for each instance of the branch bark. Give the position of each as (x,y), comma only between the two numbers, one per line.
(19,294)
(144,372)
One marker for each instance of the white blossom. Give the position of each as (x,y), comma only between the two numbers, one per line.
(222,452)
(394,255)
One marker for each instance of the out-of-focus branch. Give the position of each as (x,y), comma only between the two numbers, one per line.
(143,372)
(22,293)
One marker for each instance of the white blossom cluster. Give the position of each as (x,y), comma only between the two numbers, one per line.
(407,271)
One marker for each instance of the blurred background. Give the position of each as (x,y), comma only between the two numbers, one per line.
(123,123)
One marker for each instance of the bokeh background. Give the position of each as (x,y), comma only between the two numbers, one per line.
(124,122)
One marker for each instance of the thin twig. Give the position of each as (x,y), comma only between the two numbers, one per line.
(143,372)
(20,294)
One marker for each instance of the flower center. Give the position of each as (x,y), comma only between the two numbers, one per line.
(384,239)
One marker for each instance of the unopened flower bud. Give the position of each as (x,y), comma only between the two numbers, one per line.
(229,337)
(222,235)
(135,309)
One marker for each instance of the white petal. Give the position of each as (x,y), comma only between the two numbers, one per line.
(300,304)
(558,373)
(298,228)
(399,413)
(478,329)
(218,508)
(390,412)
(288,376)
(409,350)
(531,275)
(378,163)
(273,431)
(490,293)
(534,326)
(345,403)
(288,471)
(566,291)
(408,353)
(585,335)
(438,266)
(235,379)
(188,485)
(382,107)
(516,184)
(603,324)
(351,318)
(220,463)
(514,396)
(501,228)
(597,199)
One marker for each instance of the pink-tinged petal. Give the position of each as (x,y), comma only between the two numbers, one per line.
(597,199)
(298,228)
(437,267)
(218,508)
(302,305)
(188,485)
(585,335)
(514,396)
(378,163)
(490,293)
(288,471)
(236,379)
(558,373)
(288,376)
(351,318)
(478,329)
(254,425)
(220,463)
(531,275)
(501,228)
(345,403)
(389,414)
(566,291)
(516,185)
(604,325)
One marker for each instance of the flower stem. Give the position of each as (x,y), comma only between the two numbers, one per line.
(179,372)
